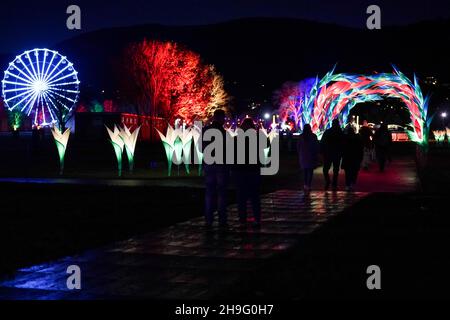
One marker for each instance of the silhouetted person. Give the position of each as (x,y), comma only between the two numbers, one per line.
(382,141)
(352,157)
(367,139)
(248,180)
(308,153)
(216,179)
(331,146)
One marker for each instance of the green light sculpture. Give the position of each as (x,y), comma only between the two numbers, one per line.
(186,141)
(178,148)
(439,136)
(61,140)
(271,135)
(196,134)
(168,141)
(118,145)
(129,140)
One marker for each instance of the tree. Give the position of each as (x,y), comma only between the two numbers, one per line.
(167,80)
(290,97)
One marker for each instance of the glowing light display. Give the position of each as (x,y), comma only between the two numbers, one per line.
(168,141)
(186,143)
(335,95)
(118,145)
(43,84)
(178,147)
(196,134)
(61,140)
(271,136)
(129,139)
(172,82)
(439,135)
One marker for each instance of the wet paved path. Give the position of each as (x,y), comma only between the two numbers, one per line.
(183,261)
(399,176)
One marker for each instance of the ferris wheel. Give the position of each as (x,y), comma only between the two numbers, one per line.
(41,83)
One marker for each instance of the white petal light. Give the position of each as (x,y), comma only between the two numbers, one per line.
(61,140)
(118,145)
(129,139)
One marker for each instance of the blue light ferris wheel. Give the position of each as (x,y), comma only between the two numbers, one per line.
(41,83)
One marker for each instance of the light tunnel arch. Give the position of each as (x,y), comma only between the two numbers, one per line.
(335,95)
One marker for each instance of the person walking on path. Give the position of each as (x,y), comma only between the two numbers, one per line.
(216,179)
(351,158)
(331,146)
(308,153)
(382,141)
(367,139)
(248,179)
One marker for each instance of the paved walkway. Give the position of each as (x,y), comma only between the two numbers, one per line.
(185,262)
(399,176)
(182,261)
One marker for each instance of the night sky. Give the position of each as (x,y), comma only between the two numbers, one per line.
(43,22)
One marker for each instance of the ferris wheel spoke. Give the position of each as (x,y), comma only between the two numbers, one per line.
(31,104)
(18,103)
(32,65)
(54,106)
(18,89)
(74,73)
(38,75)
(43,65)
(65,90)
(19,95)
(42,108)
(26,68)
(62,96)
(29,97)
(51,79)
(18,83)
(53,70)
(18,77)
(48,107)
(21,72)
(63,84)
(49,66)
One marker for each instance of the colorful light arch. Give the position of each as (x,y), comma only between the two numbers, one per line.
(336,94)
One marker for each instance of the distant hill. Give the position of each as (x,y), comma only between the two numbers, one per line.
(266,51)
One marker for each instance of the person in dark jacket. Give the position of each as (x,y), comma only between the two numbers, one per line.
(331,146)
(352,157)
(308,154)
(367,139)
(216,179)
(382,140)
(248,181)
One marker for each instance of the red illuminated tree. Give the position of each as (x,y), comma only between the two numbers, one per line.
(169,81)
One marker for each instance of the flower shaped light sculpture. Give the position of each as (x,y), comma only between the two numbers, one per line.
(61,140)
(196,134)
(118,145)
(271,136)
(129,140)
(186,143)
(439,135)
(169,141)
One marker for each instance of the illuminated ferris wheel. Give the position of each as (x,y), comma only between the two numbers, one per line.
(42,84)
